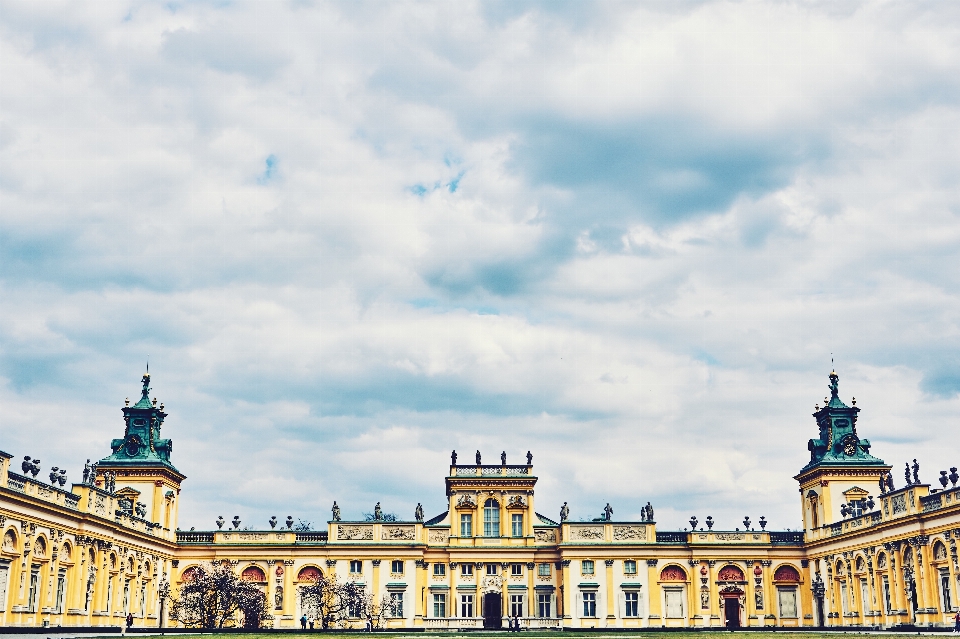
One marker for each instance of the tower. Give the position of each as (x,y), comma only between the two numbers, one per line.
(841,470)
(145,481)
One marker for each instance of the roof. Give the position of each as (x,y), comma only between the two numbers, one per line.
(546,520)
(436,520)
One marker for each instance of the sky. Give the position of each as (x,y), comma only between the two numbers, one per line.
(629,237)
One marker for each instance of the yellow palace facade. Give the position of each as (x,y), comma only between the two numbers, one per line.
(870,554)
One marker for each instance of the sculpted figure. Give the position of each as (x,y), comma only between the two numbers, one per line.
(906,473)
(86,472)
(916,472)
(607,512)
(503,458)
(418,513)
(478,458)
(335,512)
(378,512)
(453,458)
(529,458)
(564,512)
(649,512)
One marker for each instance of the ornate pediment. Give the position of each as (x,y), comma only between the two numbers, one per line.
(466,501)
(517,501)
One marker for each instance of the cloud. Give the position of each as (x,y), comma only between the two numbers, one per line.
(353,237)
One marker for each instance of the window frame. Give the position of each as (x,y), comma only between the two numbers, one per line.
(631,604)
(466,524)
(589,599)
(466,570)
(439,605)
(516,525)
(439,570)
(394,564)
(544,570)
(466,606)
(588,563)
(516,570)
(629,567)
(491,518)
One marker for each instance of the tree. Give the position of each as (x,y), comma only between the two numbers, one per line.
(213,596)
(380,612)
(332,600)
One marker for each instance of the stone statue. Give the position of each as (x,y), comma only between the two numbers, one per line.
(705,599)
(758,599)
(86,472)
(906,473)
(529,458)
(377,512)
(418,513)
(478,458)
(916,472)
(649,512)
(607,512)
(890,487)
(883,483)
(335,512)
(564,511)
(453,458)
(278,598)
(503,458)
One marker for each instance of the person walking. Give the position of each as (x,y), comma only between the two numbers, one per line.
(303,622)
(956,622)
(128,621)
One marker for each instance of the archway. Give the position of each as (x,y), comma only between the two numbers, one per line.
(732,598)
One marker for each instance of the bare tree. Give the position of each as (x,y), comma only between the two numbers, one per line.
(379,612)
(213,596)
(332,600)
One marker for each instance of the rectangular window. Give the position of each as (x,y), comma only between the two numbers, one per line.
(674,601)
(61,591)
(631,604)
(126,596)
(544,570)
(516,606)
(466,525)
(32,597)
(945,590)
(396,567)
(788,602)
(586,566)
(516,525)
(4,576)
(516,569)
(491,519)
(466,606)
(543,606)
(886,594)
(440,569)
(356,566)
(109,607)
(143,602)
(844,604)
(491,569)
(864,595)
(589,604)
(396,604)
(356,609)
(629,567)
(466,570)
(440,605)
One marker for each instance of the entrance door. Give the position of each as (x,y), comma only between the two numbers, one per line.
(492,610)
(731,611)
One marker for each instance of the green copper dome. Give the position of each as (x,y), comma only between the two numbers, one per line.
(839,444)
(141,444)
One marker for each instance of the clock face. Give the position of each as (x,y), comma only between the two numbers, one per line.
(133,447)
(850,445)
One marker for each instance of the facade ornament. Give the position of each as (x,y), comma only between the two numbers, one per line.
(529,458)
(516,501)
(331,563)
(377,512)
(652,562)
(220,522)
(335,512)
(466,501)
(453,458)
(916,472)
(273,521)
(418,512)
(236,522)
(564,512)
(478,458)
(607,512)
(954,477)
(906,473)
(376,562)
(503,458)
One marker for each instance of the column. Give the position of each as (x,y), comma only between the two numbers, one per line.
(653,580)
(770,607)
(420,593)
(714,595)
(289,596)
(565,588)
(531,593)
(611,594)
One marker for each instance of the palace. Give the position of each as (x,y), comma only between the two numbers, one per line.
(106,547)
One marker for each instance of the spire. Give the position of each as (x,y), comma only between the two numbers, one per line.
(141,443)
(145,392)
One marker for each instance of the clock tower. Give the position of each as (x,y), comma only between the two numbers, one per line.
(140,461)
(841,468)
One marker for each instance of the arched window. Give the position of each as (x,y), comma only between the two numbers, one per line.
(786,573)
(252,573)
(491,518)
(309,574)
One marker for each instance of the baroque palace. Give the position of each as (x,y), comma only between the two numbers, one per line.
(870,554)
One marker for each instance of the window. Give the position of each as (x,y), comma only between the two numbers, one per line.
(466,606)
(516,606)
(631,604)
(886,594)
(788,602)
(855,508)
(439,569)
(864,594)
(516,569)
(586,566)
(543,570)
(439,605)
(109,607)
(32,597)
(491,518)
(466,570)
(543,606)
(396,604)
(4,575)
(61,591)
(491,569)
(674,600)
(466,525)
(589,604)
(516,525)
(126,596)
(143,601)
(945,589)
(629,567)
(396,567)
(356,609)
(356,566)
